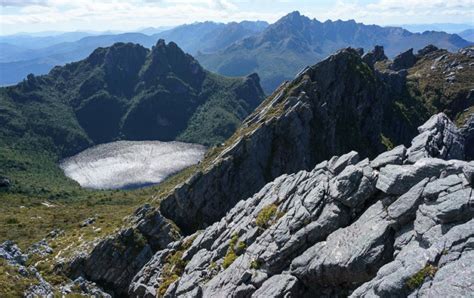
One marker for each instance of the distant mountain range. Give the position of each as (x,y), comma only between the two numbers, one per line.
(467,34)
(446,27)
(276,52)
(296,41)
(20,55)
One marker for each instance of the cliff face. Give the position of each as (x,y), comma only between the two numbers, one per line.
(399,224)
(347,103)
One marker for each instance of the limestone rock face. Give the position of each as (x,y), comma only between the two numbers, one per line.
(114,262)
(468,133)
(387,227)
(322,113)
(438,137)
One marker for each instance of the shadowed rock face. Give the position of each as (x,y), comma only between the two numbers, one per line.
(335,106)
(349,226)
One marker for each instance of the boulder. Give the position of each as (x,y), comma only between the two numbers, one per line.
(403,61)
(439,138)
(427,50)
(396,156)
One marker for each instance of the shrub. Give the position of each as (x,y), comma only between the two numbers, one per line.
(172,270)
(12,221)
(387,142)
(416,280)
(229,258)
(255,264)
(235,249)
(267,216)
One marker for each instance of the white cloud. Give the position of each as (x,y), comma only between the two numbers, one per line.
(35,15)
(398,12)
(20,3)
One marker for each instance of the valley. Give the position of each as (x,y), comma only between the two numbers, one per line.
(297,158)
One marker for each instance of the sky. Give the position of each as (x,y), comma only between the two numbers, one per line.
(120,15)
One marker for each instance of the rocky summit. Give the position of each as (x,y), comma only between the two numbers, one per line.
(399,224)
(343,182)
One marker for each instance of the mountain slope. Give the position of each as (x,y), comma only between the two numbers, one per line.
(346,102)
(123,92)
(296,41)
(209,36)
(467,34)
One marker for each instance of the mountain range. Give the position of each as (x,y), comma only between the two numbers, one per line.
(276,51)
(20,55)
(296,41)
(467,34)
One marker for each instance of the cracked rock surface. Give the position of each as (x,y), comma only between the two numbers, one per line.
(390,227)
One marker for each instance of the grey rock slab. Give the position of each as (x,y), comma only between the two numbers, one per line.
(439,138)
(12,253)
(281,285)
(403,209)
(349,255)
(398,179)
(396,156)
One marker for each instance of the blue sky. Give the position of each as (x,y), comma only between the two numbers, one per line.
(69,15)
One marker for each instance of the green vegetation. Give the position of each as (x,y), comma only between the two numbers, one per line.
(235,249)
(255,264)
(174,267)
(12,284)
(172,270)
(268,216)
(387,142)
(431,87)
(416,280)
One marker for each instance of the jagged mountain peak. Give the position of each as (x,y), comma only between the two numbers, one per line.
(296,41)
(165,58)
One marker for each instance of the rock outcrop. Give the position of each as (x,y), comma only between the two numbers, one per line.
(405,60)
(277,158)
(331,108)
(377,54)
(338,105)
(438,137)
(390,227)
(114,261)
(468,134)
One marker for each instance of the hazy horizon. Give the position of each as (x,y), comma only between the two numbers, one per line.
(36,16)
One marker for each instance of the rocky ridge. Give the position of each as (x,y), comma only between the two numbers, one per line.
(399,224)
(302,124)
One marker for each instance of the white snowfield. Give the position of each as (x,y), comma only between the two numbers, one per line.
(127,164)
